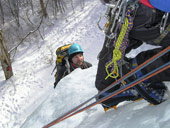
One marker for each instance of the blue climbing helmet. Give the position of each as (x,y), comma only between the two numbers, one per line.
(74,48)
(163,5)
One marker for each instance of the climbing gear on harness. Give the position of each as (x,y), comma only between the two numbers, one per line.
(120,46)
(164,22)
(116,14)
(119,16)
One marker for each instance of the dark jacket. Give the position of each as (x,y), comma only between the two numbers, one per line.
(145,29)
(63,71)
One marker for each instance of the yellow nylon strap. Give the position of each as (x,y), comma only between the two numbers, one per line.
(117,54)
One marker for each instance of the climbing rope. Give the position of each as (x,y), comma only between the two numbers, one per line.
(120,46)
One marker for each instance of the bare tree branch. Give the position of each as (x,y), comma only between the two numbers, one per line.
(43,9)
(14,9)
(2,12)
(31,32)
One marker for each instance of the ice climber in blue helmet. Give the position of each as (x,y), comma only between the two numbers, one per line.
(76,60)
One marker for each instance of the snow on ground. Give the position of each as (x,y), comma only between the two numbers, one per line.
(32,83)
(129,114)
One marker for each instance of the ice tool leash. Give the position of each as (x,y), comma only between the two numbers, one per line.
(80,108)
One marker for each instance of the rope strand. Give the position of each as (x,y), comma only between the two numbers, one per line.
(120,47)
